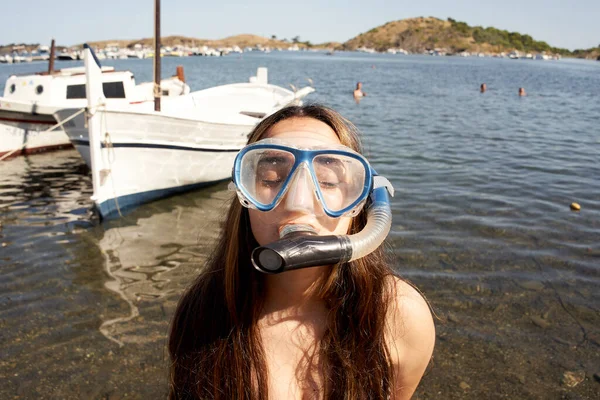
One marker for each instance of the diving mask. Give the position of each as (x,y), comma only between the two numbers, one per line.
(271,171)
(332,179)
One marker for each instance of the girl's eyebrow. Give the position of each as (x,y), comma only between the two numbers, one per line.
(325,159)
(273,157)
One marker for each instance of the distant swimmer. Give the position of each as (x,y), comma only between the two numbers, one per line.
(358,93)
(483,88)
(522,92)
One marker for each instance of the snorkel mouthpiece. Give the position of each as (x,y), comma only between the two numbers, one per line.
(301,247)
(296,229)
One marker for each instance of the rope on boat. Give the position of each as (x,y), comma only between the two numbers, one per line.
(108,145)
(156,90)
(60,124)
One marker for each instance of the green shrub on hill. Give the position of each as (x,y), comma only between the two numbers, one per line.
(502,38)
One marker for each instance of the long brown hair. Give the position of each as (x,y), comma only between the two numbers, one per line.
(214,343)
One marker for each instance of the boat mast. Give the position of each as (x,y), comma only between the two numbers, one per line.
(51,59)
(157,90)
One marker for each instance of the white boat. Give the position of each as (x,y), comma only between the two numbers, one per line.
(67,56)
(514,55)
(137,154)
(29,102)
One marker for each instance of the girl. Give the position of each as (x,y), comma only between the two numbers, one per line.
(342,329)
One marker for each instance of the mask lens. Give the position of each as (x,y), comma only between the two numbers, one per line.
(263,172)
(341,179)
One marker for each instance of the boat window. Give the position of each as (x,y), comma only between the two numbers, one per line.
(39,89)
(112,90)
(12,88)
(76,92)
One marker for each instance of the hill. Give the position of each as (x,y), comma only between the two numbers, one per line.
(420,34)
(244,40)
(328,45)
(413,34)
(239,40)
(592,54)
(19,47)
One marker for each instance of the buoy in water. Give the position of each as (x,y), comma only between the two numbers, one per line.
(575,207)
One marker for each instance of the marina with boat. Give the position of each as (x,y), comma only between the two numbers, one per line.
(124,131)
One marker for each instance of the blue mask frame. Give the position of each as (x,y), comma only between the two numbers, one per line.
(302,156)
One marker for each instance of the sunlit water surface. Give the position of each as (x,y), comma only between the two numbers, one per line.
(482,226)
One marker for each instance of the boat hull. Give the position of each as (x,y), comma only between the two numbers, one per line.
(146,156)
(23,133)
(114,207)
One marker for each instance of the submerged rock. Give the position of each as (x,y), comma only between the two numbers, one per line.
(453,318)
(539,321)
(464,385)
(531,285)
(560,340)
(573,378)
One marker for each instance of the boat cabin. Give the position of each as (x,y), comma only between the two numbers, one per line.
(66,88)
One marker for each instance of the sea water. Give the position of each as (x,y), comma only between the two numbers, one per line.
(482,225)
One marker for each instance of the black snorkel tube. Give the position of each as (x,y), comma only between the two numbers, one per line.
(304,248)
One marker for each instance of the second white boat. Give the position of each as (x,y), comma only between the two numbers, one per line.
(137,154)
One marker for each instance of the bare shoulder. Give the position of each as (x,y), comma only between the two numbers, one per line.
(410,336)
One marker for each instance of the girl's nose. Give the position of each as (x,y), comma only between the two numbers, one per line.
(301,193)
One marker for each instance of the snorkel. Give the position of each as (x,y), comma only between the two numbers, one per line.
(324,181)
(300,246)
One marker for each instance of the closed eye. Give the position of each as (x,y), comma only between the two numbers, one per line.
(271,183)
(328,185)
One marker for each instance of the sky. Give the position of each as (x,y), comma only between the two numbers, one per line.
(568,24)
